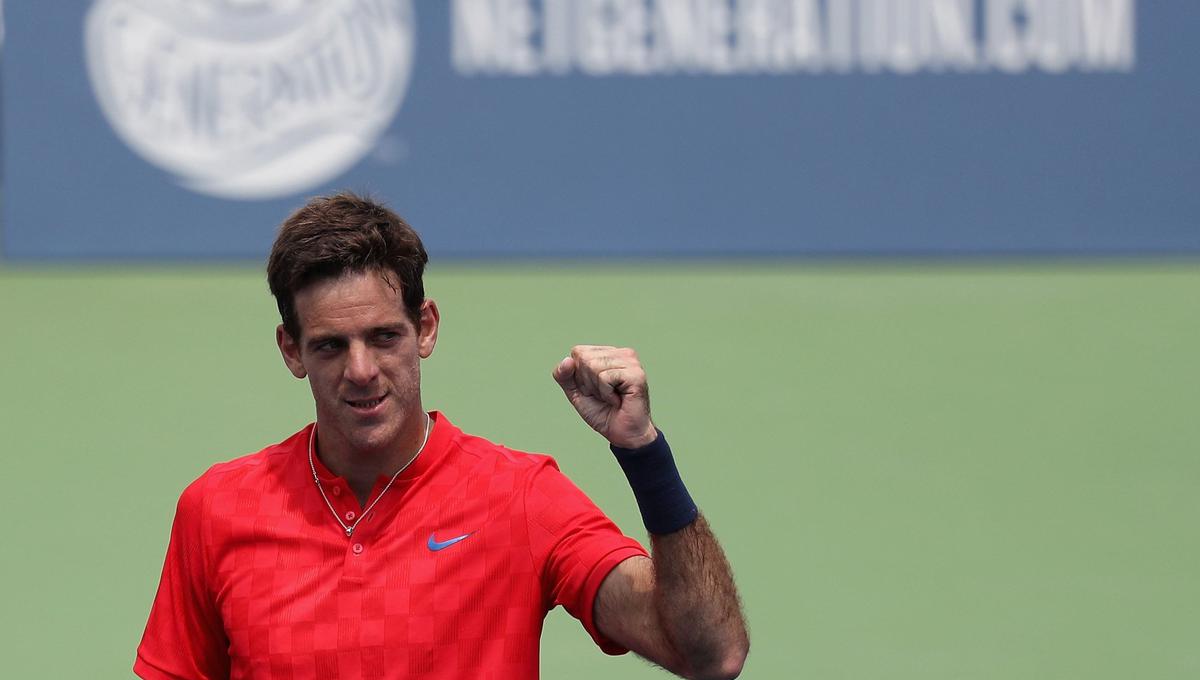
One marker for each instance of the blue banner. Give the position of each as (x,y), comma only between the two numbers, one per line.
(151,129)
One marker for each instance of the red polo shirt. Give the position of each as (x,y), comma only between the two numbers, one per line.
(261,582)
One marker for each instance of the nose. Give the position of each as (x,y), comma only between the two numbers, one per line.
(361,367)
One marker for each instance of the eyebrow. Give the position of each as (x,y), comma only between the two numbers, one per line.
(389,328)
(397,327)
(315,340)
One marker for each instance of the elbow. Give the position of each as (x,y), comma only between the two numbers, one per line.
(725,666)
(731,665)
(728,670)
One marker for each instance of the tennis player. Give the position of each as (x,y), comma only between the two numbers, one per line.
(381,541)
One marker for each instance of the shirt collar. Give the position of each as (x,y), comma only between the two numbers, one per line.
(441,434)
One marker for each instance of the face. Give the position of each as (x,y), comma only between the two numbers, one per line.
(362,356)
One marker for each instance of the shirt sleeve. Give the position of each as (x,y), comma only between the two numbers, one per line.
(575,544)
(184,637)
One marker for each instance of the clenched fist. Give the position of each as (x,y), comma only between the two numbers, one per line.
(607,386)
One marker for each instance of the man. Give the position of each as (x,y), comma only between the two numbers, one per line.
(383,542)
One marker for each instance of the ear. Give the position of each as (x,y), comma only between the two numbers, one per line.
(290,350)
(428,332)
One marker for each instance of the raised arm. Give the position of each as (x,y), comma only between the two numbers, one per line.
(679,608)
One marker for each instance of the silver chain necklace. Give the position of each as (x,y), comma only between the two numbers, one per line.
(312,438)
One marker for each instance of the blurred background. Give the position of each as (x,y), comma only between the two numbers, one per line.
(915,283)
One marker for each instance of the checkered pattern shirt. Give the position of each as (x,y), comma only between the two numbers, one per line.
(261,582)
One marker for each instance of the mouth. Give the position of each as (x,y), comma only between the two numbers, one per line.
(366,405)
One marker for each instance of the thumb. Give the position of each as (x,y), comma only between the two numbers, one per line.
(564,375)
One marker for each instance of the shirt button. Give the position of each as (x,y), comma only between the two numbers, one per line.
(337,491)
(350,515)
(357,548)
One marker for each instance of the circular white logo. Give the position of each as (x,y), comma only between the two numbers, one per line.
(250,99)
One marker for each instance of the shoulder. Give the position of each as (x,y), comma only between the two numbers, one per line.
(500,473)
(536,477)
(250,473)
(478,451)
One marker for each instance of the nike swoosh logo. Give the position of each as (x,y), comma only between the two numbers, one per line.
(436,545)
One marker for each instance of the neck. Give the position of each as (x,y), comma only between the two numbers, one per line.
(361,469)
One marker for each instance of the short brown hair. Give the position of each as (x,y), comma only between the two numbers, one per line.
(345,233)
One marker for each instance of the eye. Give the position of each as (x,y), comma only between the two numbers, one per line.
(326,346)
(385,337)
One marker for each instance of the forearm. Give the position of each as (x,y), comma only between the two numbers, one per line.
(697,603)
(680,608)
(691,591)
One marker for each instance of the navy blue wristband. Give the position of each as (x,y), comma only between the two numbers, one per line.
(661,496)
